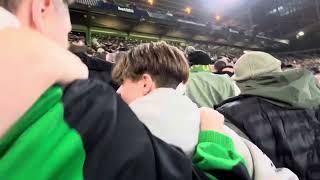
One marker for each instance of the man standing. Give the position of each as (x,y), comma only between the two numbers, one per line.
(205,88)
(278,111)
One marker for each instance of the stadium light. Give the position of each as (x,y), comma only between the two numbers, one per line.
(218,18)
(301,33)
(151,2)
(188,10)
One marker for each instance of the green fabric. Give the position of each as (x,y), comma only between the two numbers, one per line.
(41,145)
(207,89)
(255,63)
(215,151)
(200,68)
(294,88)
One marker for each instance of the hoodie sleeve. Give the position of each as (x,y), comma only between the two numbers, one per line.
(264,167)
(217,157)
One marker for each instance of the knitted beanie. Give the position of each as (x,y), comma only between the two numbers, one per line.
(199,58)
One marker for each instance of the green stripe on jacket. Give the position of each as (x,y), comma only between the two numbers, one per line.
(41,145)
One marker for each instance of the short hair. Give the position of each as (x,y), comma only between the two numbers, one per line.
(199,57)
(166,64)
(189,50)
(315,70)
(120,56)
(220,65)
(12,5)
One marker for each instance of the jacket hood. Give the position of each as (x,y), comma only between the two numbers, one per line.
(293,88)
(170,116)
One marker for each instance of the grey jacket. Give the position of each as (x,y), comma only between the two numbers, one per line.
(259,165)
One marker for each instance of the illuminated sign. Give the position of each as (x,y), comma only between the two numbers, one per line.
(128,10)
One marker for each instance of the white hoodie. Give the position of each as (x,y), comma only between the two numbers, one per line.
(171,116)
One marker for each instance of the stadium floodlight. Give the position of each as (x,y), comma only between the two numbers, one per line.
(217,17)
(301,33)
(151,2)
(188,10)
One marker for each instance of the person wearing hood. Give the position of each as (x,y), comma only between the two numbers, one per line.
(278,111)
(205,88)
(208,89)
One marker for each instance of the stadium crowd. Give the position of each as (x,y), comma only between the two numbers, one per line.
(107,43)
(124,109)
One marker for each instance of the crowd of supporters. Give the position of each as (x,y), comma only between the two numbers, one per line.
(107,43)
(128,109)
(104,44)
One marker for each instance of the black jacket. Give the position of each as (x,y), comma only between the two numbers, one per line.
(117,144)
(98,69)
(290,137)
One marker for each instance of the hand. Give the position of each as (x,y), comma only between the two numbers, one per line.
(211,120)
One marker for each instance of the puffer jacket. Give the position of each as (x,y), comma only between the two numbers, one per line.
(290,137)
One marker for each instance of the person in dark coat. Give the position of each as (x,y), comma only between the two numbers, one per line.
(278,111)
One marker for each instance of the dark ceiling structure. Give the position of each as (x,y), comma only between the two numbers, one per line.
(277,18)
(262,20)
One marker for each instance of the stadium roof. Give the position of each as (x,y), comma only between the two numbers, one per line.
(275,18)
(281,19)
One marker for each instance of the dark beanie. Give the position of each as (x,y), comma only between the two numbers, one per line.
(199,58)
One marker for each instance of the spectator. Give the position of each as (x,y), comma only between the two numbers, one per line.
(219,66)
(75,126)
(199,59)
(285,67)
(98,67)
(168,113)
(203,87)
(111,57)
(316,72)
(100,50)
(149,75)
(262,171)
(278,111)
(78,48)
(120,55)
(189,50)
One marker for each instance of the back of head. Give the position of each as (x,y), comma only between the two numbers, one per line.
(315,70)
(189,50)
(120,56)
(49,17)
(219,66)
(285,67)
(199,58)
(166,64)
(254,64)
(77,49)
(10,5)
